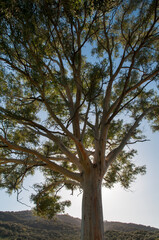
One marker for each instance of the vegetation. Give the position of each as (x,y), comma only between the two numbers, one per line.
(24,225)
(77,78)
(136,235)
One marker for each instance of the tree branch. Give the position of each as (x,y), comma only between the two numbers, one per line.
(47,134)
(51,165)
(114,153)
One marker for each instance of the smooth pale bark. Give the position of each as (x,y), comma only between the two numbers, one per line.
(92,227)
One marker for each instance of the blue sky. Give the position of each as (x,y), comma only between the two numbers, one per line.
(139,205)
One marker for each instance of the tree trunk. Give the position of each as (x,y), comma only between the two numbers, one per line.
(92,227)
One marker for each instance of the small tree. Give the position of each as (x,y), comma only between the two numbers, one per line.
(69,114)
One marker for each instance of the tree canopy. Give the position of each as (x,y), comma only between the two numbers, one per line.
(76,80)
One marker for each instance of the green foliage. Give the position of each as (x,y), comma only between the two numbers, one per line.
(123,170)
(47,203)
(76,79)
(136,235)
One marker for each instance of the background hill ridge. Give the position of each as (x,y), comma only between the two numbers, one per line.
(24,225)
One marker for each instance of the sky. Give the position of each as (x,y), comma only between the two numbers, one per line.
(139,204)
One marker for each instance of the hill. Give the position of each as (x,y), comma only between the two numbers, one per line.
(24,225)
(127,227)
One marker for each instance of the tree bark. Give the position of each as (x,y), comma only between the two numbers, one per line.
(92,227)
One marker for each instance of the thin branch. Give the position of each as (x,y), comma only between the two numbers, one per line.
(138,141)
(19,200)
(153,74)
(85,121)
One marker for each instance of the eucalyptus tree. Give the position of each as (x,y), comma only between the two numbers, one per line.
(76,80)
